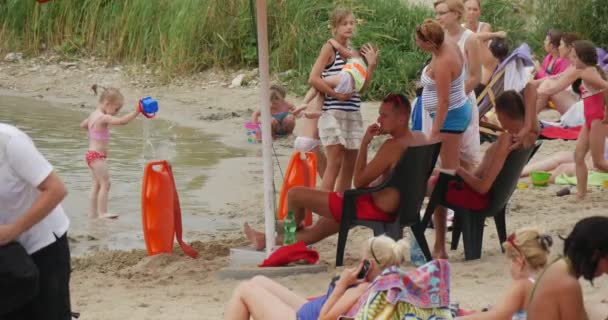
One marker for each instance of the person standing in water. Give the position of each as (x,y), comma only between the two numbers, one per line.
(98,126)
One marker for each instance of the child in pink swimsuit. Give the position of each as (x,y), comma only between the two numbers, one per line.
(593,133)
(98,126)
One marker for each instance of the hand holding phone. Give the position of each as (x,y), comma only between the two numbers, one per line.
(364,269)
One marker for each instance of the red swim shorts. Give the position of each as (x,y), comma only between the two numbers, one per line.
(461,195)
(366,208)
(92,156)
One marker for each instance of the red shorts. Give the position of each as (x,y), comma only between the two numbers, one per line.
(92,156)
(366,208)
(461,195)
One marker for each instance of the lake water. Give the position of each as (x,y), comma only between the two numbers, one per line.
(56,132)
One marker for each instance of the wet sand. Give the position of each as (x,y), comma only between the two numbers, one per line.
(114,284)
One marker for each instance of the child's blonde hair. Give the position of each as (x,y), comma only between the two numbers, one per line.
(530,244)
(277,92)
(109,94)
(385,251)
(337,16)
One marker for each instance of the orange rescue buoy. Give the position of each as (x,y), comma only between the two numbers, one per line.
(161,213)
(301,171)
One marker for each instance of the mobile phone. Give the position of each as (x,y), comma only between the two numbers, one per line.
(364,270)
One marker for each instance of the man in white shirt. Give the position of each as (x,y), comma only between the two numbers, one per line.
(31,214)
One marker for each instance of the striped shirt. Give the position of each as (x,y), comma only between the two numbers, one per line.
(429,95)
(331,103)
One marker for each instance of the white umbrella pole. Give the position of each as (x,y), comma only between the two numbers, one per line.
(266,128)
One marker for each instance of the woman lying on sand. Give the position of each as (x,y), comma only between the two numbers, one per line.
(528,251)
(262,298)
(557,294)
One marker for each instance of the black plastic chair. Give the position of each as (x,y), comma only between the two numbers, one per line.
(411,174)
(471,223)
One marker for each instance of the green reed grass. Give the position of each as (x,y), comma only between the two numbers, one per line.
(184,36)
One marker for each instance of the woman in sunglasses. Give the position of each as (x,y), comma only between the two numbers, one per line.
(528,251)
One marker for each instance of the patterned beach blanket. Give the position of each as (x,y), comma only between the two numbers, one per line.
(420,294)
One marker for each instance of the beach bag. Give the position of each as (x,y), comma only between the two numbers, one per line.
(18,278)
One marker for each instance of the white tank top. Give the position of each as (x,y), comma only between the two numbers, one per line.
(461,43)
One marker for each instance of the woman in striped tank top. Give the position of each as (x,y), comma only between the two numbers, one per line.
(340,124)
(444,98)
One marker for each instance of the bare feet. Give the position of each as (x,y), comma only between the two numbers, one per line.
(258,239)
(439,254)
(108,216)
(579,197)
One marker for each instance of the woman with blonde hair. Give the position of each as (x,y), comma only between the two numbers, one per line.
(341,123)
(528,251)
(262,298)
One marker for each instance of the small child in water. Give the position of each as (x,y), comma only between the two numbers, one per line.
(98,126)
(283,112)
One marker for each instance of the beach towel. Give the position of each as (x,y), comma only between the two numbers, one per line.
(513,73)
(593,179)
(560,133)
(420,294)
(291,253)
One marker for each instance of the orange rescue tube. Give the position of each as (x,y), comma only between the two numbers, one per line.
(300,172)
(157,205)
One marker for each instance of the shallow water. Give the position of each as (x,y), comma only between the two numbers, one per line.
(56,132)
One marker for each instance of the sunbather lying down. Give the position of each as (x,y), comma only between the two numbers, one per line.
(559,163)
(262,298)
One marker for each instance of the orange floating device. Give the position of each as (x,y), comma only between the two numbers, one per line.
(301,171)
(161,212)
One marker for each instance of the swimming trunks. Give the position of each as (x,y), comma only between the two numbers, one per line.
(91,156)
(366,208)
(457,120)
(593,103)
(306,144)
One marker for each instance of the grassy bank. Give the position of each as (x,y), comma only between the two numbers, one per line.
(184,36)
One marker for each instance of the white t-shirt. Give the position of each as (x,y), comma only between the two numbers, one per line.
(22,169)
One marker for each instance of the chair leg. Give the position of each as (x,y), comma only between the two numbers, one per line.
(344,228)
(472,234)
(394,230)
(501,226)
(456,230)
(418,230)
(379,229)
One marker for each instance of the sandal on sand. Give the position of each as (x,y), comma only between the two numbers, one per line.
(563,192)
(108,216)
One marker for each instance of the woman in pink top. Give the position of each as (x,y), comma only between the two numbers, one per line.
(552,64)
(592,88)
(98,125)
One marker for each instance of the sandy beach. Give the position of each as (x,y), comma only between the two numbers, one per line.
(126,284)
